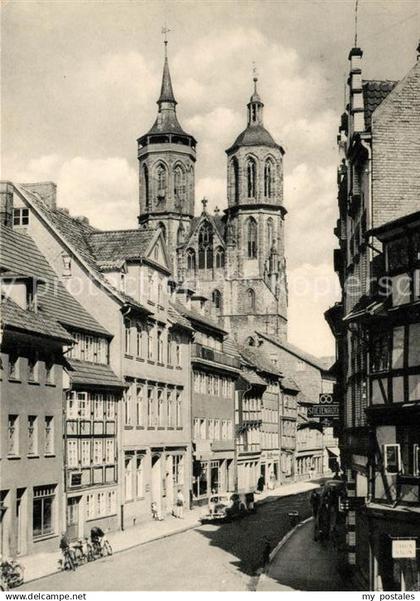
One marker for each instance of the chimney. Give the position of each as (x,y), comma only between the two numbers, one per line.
(47,191)
(198,302)
(357,111)
(6,203)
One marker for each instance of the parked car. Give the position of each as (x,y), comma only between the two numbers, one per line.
(229,506)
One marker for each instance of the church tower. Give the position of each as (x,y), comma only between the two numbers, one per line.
(167,155)
(255,228)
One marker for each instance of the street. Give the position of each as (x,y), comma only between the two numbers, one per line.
(222,557)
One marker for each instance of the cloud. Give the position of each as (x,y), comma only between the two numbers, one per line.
(312,289)
(104,190)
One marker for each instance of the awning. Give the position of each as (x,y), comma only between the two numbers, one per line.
(333,451)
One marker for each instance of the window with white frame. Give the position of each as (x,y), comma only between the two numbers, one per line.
(109,451)
(98,406)
(196,428)
(139,337)
(178,407)
(109,407)
(159,339)
(32,435)
(72,455)
(43,510)
(128,403)
(100,504)
(139,476)
(98,452)
(20,216)
(161,408)
(85,446)
(150,407)
(140,405)
(127,336)
(149,339)
(216,429)
(128,476)
(90,506)
(49,435)
(13,435)
(83,401)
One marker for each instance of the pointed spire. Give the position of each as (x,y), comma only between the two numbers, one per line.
(166,91)
(255,104)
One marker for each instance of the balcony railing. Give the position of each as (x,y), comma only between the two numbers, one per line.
(199,351)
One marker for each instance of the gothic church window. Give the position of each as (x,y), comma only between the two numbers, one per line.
(268,179)
(180,234)
(191,259)
(179,184)
(252,238)
(220,257)
(216,298)
(234,166)
(162,228)
(161,181)
(251,172)
(146,186)
(270,230)
(250,297)
(205,246)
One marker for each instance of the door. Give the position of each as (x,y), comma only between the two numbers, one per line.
(73,517)
(20,521)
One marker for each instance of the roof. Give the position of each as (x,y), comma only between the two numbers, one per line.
(166,91)
(252,378)
(401,222)
(216,221)
(288,383)
(194,316)
(374,92)
(14,316)
(177,318)
(93,374)
(258,359)
(254,135)
(19,253)
(294,350)
(229,346)
(118,245)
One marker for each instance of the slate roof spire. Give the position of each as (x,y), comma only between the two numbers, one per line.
(166,90)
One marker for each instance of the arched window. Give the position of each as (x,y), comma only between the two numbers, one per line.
(252,238)
(251,171)
(180,234)
(250,297)
(179,184)
(270,233)
(220,257)
(161,181)
(162,228)
(268,178)
(234,174)
(216,298)
(205,246)
(191,259)
(146,186)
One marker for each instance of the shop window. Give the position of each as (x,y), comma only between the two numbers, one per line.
(43,510)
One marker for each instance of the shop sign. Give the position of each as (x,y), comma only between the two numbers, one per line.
(324,410)
(403,548)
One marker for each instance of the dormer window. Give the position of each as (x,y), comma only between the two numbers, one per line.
(66,265)
(31,295)
(20,217)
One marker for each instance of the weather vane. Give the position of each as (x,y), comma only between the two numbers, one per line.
(356,6)
(165,30)
(254,71)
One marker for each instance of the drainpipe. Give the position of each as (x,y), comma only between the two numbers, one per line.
(124,312)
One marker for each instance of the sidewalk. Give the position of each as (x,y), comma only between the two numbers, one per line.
(43,564)
(304,565)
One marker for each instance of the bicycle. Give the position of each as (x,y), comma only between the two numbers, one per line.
(69,562)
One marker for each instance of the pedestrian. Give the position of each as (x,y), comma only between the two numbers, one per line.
(260,484)
(266,551)
(155,513)
(180,505)
(314,500)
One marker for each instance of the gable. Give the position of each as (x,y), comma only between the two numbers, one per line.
(215,226)
(157,252)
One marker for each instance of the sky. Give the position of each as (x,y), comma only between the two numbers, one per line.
(80,84)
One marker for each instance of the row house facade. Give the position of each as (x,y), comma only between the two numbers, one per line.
(378,183)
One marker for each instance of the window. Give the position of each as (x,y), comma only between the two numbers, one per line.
(33,367)
(150,408)
(178,406)
(179,185)
(13,366)
(150,344)
(49,371)
(43,510)
(140,406)
(234,174)
(380,355)
(66,265)
(191,263)
(270,234)
(170,408)
(203,429)
(139,476)
(89,348)
(128,476)
(32,435)
(139,333)
(83,405)
(100,504)
(251,173)
(161,409)
(72,455)
(268,179)
(109,408)
(161,179)
(250,297)
(98,407)
(127,326)
(109,451)
(205,246)
(169,349)
(211,429)
(49,435)
(220,257)
(90,506)
(252,237)
(162,228)
(160,346)
(85,452)
(217,300)
(20,216)
(98,451)
(217,429)
(300,366)
(146,186)
(128,400)
(392,458)
(177,352)
(13,435)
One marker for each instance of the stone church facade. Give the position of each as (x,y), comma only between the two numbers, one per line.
(233,261)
